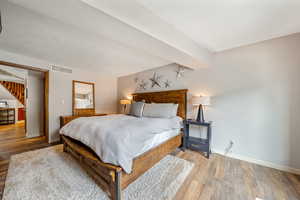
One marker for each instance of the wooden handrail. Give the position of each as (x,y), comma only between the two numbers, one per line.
(16,89)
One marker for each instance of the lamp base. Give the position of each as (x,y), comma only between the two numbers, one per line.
(124,111)
(200,115)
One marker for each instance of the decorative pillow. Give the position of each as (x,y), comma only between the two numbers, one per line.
(160,110)
(136,109)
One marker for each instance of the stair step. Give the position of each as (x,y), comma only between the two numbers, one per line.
(16,89)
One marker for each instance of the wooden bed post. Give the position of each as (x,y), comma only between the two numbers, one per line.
(116,189)
(64,147)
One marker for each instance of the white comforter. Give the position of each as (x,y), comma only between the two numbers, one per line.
(117,139)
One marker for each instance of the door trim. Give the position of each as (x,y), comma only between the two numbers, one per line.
(46,91)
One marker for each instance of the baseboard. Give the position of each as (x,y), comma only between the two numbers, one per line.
(260,162)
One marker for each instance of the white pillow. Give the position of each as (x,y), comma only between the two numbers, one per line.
(160,110)
(136,109)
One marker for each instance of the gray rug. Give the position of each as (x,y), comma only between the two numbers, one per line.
(53,175)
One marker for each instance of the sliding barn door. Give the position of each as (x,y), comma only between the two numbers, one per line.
(35,104)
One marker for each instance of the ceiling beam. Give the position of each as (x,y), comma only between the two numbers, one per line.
(129,24)
(136,15)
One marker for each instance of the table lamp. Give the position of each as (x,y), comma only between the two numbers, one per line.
(125,102)
(201,101)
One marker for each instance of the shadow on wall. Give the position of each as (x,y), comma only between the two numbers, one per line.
(258,121)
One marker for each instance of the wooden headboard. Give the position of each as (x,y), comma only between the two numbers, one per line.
(170,96)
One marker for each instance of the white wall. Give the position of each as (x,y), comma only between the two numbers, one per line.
(12,74)
(35,104)
(105,93)
(256,95)
(60,89)
(5,94)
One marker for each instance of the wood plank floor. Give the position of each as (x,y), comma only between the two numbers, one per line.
(12,131)
(223,178)
(219,178)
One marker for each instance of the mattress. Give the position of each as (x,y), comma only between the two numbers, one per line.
(158,139)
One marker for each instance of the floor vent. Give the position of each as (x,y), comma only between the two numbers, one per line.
(61,69)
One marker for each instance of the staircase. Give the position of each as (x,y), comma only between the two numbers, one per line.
(16,89)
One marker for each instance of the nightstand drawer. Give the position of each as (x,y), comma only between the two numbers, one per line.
(197,146)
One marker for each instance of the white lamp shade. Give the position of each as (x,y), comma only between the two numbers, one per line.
(203,100)
(125,101)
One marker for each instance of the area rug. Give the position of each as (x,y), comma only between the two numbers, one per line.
(50,174)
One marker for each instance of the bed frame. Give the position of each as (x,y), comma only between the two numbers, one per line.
(112,179)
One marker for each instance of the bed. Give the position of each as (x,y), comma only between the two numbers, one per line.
(113,178)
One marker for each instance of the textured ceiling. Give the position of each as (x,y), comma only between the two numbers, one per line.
(220,25)
(123,37)
(74,34)
(46,38)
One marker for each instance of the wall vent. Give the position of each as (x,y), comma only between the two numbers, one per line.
(61,69)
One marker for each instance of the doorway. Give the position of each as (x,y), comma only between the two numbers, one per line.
(23,103)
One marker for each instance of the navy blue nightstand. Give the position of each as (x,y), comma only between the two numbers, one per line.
(198,144)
